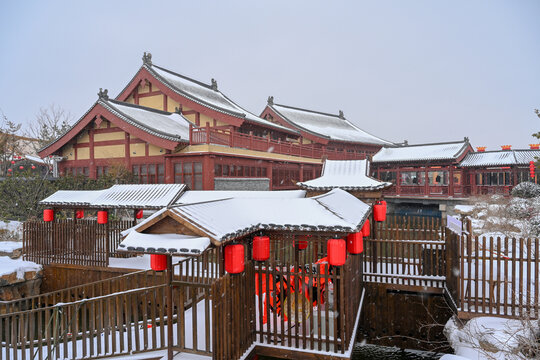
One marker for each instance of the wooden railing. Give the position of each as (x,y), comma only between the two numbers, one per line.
(499,276)
(225,135)
(80,242)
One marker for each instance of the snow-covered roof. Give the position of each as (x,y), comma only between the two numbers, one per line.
(329,126)
(500,158)
(195,196)
(422,152)
(208,96)
(170,126)
(164,243)
(138,196)
(346,175)
(335,211)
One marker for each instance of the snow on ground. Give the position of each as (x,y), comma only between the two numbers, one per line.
(491,338)
(157,354)
(8,266)
(11,226)
(10,246)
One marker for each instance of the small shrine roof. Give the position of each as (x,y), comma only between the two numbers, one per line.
(422,152)
(500,158)
(137,196)
(222,220)
(345,174)
(324,125)
(208,95)
(164,243)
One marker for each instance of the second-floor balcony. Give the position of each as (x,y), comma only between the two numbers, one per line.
(227,136)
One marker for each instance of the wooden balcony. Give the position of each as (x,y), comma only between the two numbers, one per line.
(227,136)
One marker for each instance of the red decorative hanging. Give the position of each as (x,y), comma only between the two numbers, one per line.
(337,253)
(301,244)
(9,170)
(261,248)
(139,214)
(234,258)
(48,215)
(379,211)
(79,214)
(12,162)
(21,167)
(33,167)
(366,229)
(158,262)
(532,169)
(355,243)
(102,217)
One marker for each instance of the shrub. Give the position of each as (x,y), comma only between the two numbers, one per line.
(526,190)
(519,208)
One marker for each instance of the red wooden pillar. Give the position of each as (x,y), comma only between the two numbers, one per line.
(208,172)
(301,175)
(451,180)
(426,181)
(169,171)
(127,152)
(165,102)
(269,174)
(92,169)
(208,133)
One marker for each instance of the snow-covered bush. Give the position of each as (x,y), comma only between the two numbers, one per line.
(519,208)
(534,226)
(526,190)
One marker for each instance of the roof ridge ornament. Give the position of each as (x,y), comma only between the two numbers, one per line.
(178,110)
(147,59)
(341,115)
(466,139)
(270,100)
(214,84)
(103,94)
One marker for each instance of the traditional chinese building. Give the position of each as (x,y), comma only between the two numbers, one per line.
(168,128)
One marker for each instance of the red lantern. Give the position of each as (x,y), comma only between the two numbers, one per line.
(379,211)
(355,243)
(261,248)
(139,214)
(9,170)
(337,253)
(79,214)
(33,167)
(12,162)
(366,229)
(21,167)
(48,215)
(102,217)
(234,258)
(158,262)
(532,169)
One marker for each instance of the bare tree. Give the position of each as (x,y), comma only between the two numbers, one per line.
(51,122)
(9,142)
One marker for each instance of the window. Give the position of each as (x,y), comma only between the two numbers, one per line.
(388,176)
(149,173)
(412,178)
(191,174)
(439,178)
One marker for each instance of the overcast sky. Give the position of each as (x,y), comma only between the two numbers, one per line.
(425,71)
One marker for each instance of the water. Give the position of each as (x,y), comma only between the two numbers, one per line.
(375,352)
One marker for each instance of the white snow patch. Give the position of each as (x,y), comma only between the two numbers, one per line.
(8,266)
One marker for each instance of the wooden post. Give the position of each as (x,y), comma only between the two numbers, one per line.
(170,329)
(251,140)
(231,137)
(207,132)
(190,134)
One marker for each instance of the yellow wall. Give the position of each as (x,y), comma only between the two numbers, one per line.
(206,119)
(172,105)
(83,153)
(143,88)
(138,148)
(68,152)
(110,151)
(130,99)
(155,101)
(154,150)
(110,136)
(83,138)
(189,117)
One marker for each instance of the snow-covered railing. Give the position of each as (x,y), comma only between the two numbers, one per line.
(499,276)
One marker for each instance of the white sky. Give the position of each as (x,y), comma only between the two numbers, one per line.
(425,71)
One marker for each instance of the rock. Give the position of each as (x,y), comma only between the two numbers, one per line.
(13,288)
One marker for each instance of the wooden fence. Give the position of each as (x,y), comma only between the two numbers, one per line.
(499,276)
(78,242)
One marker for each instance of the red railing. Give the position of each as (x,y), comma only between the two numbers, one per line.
(225,135)
(428,191)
